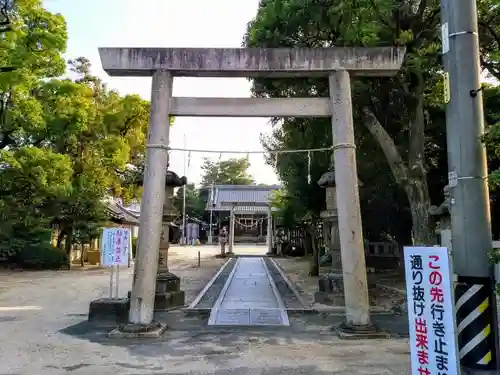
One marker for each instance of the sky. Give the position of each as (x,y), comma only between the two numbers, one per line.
(174,23)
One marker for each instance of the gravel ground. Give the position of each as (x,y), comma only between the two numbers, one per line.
(43,331)
(287,295)
(211,295)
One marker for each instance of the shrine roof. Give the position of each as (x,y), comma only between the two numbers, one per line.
(244,198)
(119,213)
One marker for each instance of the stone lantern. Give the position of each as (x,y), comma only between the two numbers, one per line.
(331,219)
(331,284)
(168,293)
(442,214)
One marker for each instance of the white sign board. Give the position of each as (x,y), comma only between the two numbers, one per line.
(445,38)
(115,246)
(431,317)
(452,179)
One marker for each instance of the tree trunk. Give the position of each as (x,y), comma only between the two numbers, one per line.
(68,244)
(418,197)
(83,254)
(60,238)
(412,179)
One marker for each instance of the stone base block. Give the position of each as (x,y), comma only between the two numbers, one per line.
(353,332)
(109,310)
(332,299)
(169,300)
(168,294)
(167,282)
(221,256)
(135,331)
(330,290)
(331,283)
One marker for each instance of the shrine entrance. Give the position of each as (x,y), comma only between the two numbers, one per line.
(245,211)
(333,64)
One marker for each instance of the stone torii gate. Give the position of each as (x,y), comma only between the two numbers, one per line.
(336,64)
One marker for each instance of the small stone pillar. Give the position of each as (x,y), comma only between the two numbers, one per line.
(231,233)
(168,293)
(280,236)
(269,239)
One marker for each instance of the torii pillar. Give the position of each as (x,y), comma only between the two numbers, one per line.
(335,64)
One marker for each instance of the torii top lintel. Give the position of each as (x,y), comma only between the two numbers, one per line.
(252,62)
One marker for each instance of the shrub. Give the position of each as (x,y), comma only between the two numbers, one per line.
(29,246)
(42,256)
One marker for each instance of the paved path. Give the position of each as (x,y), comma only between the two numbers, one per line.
(249,297)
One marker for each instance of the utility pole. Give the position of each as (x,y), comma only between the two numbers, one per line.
(477,327)
(184,238)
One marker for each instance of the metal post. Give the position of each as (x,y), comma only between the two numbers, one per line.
(153,196)
(184,199)
(117,285)
(111,273)
(231,232)
(470,211)
(210,239)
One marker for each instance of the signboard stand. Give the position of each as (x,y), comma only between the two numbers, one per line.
(117,284)
(111,274)
(431,311)
(115,252)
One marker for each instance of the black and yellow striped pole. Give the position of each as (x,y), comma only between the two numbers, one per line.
(475,322)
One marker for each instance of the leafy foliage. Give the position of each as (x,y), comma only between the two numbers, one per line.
(400,135)
(195,202)
(65,144)
(226,172)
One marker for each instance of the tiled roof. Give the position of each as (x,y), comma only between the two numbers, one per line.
(247,198)
(118,212)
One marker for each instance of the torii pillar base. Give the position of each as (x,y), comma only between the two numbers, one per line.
(352,332)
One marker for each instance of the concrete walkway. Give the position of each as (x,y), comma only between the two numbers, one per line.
(249,297)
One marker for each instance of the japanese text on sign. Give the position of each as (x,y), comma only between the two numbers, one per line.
(430,311)
(115,246)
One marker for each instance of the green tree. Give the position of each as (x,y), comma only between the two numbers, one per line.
(103,134)
(195,202)
(32,181)
(395,111)
(32,41)
(489,35)
(233,171)
(99,133)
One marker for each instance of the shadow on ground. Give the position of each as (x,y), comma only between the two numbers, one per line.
(189,339)
(190,331)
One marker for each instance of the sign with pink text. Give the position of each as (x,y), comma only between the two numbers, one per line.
(115,246)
